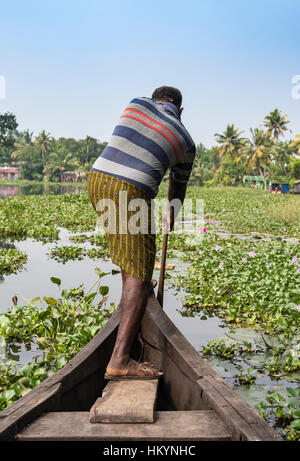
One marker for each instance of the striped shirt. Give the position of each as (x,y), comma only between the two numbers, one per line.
(148,140)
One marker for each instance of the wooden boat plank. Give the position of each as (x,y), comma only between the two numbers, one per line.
(243,421)
(130,401)
(168,425)
(161,333)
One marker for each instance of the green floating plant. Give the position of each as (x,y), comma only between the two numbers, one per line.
(58,327)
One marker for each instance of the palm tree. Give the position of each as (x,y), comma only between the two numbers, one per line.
(258,152)
(23,142)
(284,152)
(295,145)
(59,161)
(230,141)
(44,142)
(276,123)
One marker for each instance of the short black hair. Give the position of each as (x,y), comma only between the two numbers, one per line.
(168,92)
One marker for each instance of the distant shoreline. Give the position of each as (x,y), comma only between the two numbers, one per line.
(24,182)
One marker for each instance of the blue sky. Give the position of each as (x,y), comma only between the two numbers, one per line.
(71,66)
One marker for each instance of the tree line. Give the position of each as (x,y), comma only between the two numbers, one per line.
(265,153)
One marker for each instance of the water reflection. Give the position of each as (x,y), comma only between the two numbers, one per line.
(40,189)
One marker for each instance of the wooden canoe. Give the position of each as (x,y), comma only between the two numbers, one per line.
(193,401)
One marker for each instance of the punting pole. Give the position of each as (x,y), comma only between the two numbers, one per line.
(160,291)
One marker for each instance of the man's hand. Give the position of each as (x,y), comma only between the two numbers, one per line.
(168,221)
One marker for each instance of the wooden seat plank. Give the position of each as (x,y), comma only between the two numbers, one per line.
(168,425)
(130,401)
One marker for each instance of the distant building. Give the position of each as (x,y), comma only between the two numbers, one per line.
(297,187)
(9,172)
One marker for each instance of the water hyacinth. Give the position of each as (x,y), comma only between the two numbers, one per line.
(218,248)
(244,260)
(295,260)
(252,254)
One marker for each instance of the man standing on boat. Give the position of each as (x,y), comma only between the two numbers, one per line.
(148,140)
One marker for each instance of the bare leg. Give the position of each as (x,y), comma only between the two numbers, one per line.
(133,303)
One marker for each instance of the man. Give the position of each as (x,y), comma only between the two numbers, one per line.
(148,140)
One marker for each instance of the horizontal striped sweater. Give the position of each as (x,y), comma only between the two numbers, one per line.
(148,140)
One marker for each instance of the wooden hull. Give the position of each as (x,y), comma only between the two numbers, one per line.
(188,384)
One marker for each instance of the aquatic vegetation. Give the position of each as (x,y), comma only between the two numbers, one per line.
(244,211)
(258,290)
(94,239)
(66,253)
(248,378)
(249,284)
(11,260)
(60,327)
(220,348)
(286,410)
(41,216)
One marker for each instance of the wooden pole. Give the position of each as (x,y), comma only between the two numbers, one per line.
(160,291)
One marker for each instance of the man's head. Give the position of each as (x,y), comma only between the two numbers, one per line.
(169,94)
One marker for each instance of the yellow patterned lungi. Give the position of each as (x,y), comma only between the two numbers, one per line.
(134,253)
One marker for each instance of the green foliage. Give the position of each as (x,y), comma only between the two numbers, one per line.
(59,327)
(71,253)
(60,160)
(286,410)
(276,123)
(8,124)
(40,216)
(230,141)
(11,260)
(295,168)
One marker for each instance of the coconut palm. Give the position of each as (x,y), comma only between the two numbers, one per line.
(27,156)
(258,152)
(60,160)
(231,142)
(44,142)
(284,152)
(276,123)
(22,144)
(295,145)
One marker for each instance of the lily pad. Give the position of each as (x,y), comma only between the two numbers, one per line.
(224,368)
(255,361)
(254,393)
(248,334)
